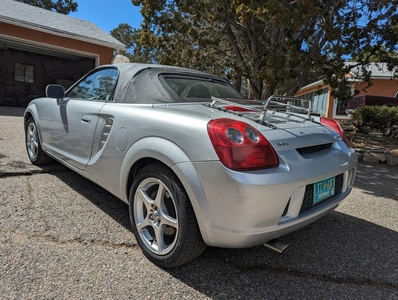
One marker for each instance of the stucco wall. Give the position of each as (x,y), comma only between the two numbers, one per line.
(380,87)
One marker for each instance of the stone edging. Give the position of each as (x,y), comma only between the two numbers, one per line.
(378,156)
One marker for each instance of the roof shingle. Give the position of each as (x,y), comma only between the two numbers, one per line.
(12,11)
(378,70)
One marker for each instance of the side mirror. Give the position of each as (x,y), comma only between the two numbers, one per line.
(55,91)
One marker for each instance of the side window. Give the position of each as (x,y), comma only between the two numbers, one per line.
(96,86)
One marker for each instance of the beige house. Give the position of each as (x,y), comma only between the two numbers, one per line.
(39,47)
(384,84)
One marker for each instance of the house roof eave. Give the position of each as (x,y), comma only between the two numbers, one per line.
(115,46)
(314,84)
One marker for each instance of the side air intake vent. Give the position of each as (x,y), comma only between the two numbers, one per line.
(106,130)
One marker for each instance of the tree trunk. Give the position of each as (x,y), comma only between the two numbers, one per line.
(269,91)
(237,81)
(255,89)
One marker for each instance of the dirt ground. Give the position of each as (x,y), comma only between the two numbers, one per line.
(374,140)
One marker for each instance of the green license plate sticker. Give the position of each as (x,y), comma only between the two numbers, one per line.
(323,189)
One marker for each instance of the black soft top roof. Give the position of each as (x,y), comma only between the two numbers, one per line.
(139,83)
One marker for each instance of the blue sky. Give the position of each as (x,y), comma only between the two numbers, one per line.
(108,14)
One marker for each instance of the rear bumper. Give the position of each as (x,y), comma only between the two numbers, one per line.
(238,236)
(244,209)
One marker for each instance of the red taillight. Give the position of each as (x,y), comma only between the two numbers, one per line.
(240,146)
(334,125)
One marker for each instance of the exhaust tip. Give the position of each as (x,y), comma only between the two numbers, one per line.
(277,245)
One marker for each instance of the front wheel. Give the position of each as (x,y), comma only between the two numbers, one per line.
(163,219)
(33,146)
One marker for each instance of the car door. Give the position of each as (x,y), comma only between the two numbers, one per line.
(68,125)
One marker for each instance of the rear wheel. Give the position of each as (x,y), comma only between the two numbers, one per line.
(163,219)
(36,154)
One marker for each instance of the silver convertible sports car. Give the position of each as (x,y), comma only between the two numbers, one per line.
(197,163)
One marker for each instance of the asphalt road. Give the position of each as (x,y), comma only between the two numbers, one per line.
(61,236)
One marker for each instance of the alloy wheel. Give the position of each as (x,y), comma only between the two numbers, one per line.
(32,140)
(155,216)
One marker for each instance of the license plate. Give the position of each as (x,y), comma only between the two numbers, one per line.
(323,189)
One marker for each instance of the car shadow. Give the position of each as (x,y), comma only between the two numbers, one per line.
(108,203)
(338,250)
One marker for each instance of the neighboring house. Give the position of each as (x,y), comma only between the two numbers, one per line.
(383,84)
(40,47)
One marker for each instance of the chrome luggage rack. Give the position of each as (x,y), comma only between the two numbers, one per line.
(273,104)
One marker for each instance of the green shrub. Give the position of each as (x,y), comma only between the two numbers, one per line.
(378,117)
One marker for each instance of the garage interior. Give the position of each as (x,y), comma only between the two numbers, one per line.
(26,70)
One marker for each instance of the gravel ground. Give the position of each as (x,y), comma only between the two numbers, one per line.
(61,237)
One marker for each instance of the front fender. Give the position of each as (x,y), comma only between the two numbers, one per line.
(32,110)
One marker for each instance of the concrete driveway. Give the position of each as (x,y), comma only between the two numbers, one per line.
(61,236)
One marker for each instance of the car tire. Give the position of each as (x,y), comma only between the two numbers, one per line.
(33,146)
(165,226)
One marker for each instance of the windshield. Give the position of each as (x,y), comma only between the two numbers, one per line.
(190,89)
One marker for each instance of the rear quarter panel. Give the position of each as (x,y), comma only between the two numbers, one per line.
(142,131)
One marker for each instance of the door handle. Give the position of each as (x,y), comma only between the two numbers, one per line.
(87,119)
